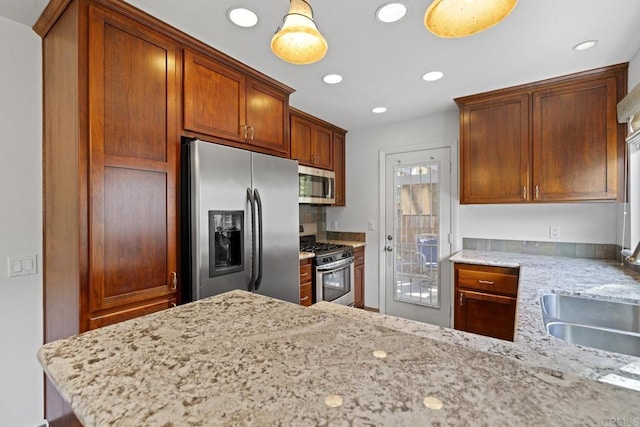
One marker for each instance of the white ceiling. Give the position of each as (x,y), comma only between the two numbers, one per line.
(382,64)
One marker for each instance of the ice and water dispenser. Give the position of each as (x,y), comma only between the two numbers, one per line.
(226,242)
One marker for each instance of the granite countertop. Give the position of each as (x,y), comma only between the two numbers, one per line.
(245,359)
(306,255)
(533,345)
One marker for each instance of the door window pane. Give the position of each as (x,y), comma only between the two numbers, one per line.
(416,233)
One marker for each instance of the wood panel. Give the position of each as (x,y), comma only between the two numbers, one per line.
(323,147)
(494,151)
(301,136)
(133,163)
(130,313)
(358,277)
(575,142)
(124,113)
(485,314)
(214,98)
(268,118)
(339,162)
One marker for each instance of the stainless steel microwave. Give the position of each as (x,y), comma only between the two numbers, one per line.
(316,186)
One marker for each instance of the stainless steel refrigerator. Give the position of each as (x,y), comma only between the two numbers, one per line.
(240,222)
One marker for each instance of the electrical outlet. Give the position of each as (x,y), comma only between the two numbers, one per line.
(334,224)
(372,225)
(554,232)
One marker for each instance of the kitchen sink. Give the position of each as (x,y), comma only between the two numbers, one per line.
(604,339)
(592,312)
(591,322)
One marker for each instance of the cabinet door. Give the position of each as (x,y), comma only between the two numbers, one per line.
(494,150)
(301,136)
(485,314)
(134,146)
(267,118)
(214,98)
(575,142)
(339,161)
(322,147)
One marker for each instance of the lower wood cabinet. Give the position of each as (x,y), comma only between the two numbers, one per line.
(485,300)
(306,282)
(358,274)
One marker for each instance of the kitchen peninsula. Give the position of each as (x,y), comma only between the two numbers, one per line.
(242,358)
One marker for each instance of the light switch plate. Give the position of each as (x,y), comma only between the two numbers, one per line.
(22,266)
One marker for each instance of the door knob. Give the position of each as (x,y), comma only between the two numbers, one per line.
(388,248)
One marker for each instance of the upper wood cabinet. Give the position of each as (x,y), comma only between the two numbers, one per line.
(556,140)
(494,150)
(339,161)
(222,102)
(311,141)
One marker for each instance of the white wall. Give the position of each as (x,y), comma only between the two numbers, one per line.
(21,396)
(634,166)
(576,222)
(363,193)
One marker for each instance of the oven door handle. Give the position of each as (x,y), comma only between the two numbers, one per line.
(337,265)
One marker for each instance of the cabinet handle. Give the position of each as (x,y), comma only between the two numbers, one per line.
(252,133)
(304,299)
(486,282)
(461,299)
(304,274)
(173,304)
(174,280)
(524,192)
(244,130)
(537,192)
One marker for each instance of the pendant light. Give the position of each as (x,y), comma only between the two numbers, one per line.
(461,18)
(298,41)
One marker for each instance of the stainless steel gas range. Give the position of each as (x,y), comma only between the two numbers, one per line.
(333,270)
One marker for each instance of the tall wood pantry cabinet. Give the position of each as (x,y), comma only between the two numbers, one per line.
(556,140)
(111,147)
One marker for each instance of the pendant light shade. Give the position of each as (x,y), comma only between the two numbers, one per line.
(461,18)
(298,41)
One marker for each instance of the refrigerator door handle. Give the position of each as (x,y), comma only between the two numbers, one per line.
(256,195)
(252,282)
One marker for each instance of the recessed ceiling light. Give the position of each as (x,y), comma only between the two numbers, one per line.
(432,76)
(379,110)
(242,17)
(391,12)
(585,45)
(332,79)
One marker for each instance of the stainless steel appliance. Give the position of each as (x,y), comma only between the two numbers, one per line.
(333,270)
(240,216)
(316,186)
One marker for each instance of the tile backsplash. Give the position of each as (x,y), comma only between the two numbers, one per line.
(310,214)
(574,250)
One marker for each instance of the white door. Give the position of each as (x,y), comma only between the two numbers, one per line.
(417,235)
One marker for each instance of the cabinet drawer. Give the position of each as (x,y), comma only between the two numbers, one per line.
(129,313)
(305,273)
(498,280)
(306,297)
